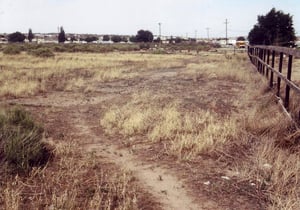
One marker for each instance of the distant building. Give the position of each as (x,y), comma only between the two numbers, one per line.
(3,38)
(297,42)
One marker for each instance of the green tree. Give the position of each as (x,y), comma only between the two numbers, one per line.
(132,39)
(106,38)
(116,38)
(30,35)
(178,40)
(144,36)
(158,40)
(91,39)
(16,37)
(274,28)
(73,39)
(61,36)
(124,39)
(241,38)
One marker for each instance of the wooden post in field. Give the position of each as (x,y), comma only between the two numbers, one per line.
(287,88)
(268,61)
(261,57)
(280,70)
(264,59)
(273,65)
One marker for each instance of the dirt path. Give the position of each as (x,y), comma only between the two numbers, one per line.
(162,183)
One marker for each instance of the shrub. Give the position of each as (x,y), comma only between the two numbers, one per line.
(144,46)
(42,52)
(116,38)
(106,38)
(91,39)
(144,36)
(21,143)
(60,48)
(16,37)
(12,50)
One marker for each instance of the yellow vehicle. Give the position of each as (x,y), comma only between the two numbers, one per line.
(241,42)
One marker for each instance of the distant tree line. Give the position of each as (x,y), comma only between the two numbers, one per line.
(141,36)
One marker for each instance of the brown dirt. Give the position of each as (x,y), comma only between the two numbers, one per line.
(175,185)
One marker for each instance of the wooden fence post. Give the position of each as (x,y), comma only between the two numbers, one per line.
(280,70)
(268,62)
(287,88)
(273,65)
(260,63)
(256,54)
(264,59)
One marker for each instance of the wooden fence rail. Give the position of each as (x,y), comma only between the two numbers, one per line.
(263,57)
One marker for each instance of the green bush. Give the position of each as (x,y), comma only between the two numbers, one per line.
(12,50)
(60,48)
(144,46)
(42,52)
(21,144)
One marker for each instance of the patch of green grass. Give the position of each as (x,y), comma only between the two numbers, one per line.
(21,145)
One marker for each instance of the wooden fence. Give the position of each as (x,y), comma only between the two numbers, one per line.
(265,58)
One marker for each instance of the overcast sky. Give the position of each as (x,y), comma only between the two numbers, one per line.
(177,17)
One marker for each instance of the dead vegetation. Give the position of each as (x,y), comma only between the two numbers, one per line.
(72,179)
(159,118)
(30,75)
(212,118)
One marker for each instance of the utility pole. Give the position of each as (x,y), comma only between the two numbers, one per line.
(159,25)
(226,23)
(207,30)
(196,35)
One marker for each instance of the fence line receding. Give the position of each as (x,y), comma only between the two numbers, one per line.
(264,57)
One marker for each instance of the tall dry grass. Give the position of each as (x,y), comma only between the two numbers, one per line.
(71,181)
(24,75)
(270,162)
(217,66)
(272,166)
(161,118)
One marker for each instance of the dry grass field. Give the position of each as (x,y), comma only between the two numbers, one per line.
(150,131)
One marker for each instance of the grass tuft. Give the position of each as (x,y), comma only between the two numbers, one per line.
(21,141)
